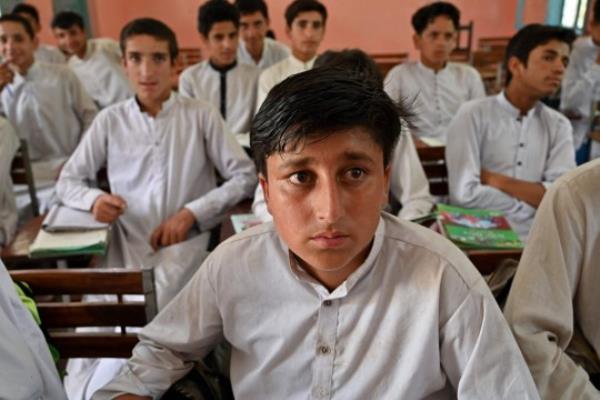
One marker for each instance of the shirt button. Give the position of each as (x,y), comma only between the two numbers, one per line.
(521,144)
(324,350)
(327,303)
(519,163)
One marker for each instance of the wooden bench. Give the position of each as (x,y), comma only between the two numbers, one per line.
(22,174)
(60,317)
(434,164)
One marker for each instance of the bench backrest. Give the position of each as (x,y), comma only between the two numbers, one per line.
(434,165)
(22,174)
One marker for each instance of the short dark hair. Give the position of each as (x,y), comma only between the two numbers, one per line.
(300,6)
(151,27)
(214,11)
(246,7)
(354,61)
(19,20)
(67,19)
(531,36)
(28,9)
(596,13)
(318,103)
(427,14)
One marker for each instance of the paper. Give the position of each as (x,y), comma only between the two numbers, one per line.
(65,219)
(93,242)
(432,142)
(241,222)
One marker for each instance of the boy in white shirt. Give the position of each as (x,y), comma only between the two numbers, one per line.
(436,86)
(9,143)
(305,27)
(44,52)
(552,307)
(221,81)
(334,300)
(256,48)
(97,62)
(161,151)
(504,151)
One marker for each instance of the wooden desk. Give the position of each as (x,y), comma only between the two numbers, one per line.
(16,254)
(486,261)
(243,207)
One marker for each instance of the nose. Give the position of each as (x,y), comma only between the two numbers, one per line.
(146,67)
(329,201)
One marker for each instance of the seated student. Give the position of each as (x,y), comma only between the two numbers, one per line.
(97,62)
(581,86)
(553,304)
(9,143)
(503,151)
(436,86)
(161,151)
(335,299)
(256,48)
(305,27)
(46,103)
(221,80)
(408,183)
(44,52)
(28,371)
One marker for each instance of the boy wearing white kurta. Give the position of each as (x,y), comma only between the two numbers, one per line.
(255,47)
(221,81)
(552,307)
(9,143)
(97,62)
(305,27)
(334,300)
(503,151)
(435,86)
(43,52)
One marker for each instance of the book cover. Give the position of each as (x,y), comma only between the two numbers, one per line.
(477,229)
(54,244)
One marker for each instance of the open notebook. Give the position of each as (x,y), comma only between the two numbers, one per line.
(67,232)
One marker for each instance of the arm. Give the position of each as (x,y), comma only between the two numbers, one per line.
(82,104)
(577,93)
(540,307)
(181,334)
(408,182)
(186,87)
(9,143)
(264,86)
(561,156)
(233,165)
(529,192)
(464,167)
(477,89)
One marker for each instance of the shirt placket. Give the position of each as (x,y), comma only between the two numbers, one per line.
(325,349)
(521,124)
(159,157)
(436,96)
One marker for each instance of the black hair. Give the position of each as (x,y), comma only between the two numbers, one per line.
(151,27)
(596,13)
(251,6)
(354,61)
(427,14)
(67,19)
(531,36)
(19,20)
(28,9)
(214,11)
(317,103)
(300,6)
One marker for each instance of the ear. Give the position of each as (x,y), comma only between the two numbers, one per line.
(417,41)
(288,31)
(386,185)
(515,66)
(264,185)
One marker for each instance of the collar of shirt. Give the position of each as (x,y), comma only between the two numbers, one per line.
(513,111)
(425,69)
(342,290)
(222,69)
(304,65)
(165,109)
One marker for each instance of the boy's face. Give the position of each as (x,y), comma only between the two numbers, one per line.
(221,43)
(16,46)
(149,68)
(437,41)
(253,29)
(72,40)
(326,197)
(306,33)
(544,71)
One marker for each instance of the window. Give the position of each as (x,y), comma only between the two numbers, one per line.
(574,14)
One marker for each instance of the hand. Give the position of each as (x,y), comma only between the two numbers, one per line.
(6,75)
(108,207)
(173,230)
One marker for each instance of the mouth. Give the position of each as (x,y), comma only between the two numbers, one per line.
(147,85)
(329,240)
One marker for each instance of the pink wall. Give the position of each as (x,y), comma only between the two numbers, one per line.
(377,26)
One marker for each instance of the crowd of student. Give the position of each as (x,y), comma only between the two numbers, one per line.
(333,299)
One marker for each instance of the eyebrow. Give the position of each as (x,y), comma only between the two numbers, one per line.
(303,162)
(551,52)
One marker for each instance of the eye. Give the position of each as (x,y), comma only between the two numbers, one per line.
(355,174)
(159,58)
(300,178)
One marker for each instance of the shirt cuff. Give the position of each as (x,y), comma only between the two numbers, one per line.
(89,198)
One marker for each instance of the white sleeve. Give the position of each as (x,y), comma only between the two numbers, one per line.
(264,86)
(464,166)
(408,182)
(186,86)
(259,206)
(9,143)
(185,331)
(234,166)
(577,90)
(73,187)
(561,157)
(83,105)
(393,83)
(476,89)
(540,307)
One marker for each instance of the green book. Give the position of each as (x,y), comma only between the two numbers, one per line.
(62,244)
(476,228)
